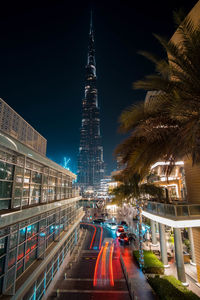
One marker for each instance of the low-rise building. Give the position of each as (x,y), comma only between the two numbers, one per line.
(40,212)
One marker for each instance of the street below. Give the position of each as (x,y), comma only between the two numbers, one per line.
(97,274)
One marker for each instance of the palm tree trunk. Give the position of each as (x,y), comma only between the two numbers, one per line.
(139,216)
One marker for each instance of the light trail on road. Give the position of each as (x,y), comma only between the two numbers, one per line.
(96,267)
(103,261)
(110,266)
(103,274)
(94,234)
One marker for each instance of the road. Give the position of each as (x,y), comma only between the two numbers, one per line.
(98,273)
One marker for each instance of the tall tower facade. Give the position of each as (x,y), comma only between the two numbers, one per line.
(90,159)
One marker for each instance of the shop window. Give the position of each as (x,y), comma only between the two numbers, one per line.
(5,204)
(45,179)
(24,201)
(19,171)
(36,177)
(16,203)
(6,171)
(26,190)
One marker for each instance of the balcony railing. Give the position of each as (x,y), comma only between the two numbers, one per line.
(173,211)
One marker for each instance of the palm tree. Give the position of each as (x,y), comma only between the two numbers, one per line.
(131,188)
(168,126)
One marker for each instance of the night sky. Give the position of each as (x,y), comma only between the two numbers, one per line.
(43,52)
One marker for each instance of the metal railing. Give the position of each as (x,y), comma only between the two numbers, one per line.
(175,211)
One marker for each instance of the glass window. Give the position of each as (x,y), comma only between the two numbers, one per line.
(35,191)
(24,201)
(11,258)
(18,191)
(5,189)
(6,171)
(13,240)
(30,258)
(19,171)
(27,176)
(16,203)
(3,245)
(4,204)
(42,224)
(26,190)
(10,276)
(31,244)
(2,264)
(52,180)
(36,177)
(45,179)
(32,229)
(22,235)
(20,268)
(20,251)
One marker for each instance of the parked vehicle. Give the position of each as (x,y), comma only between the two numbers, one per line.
(124,224)
(98,221)
(112,225)
(124,238)
(120,229)
(132,236)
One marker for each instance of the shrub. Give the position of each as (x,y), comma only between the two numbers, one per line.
(152,264)
(169,288)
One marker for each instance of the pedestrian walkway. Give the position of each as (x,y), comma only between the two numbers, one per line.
(138,285)
(190,276)
(190,270)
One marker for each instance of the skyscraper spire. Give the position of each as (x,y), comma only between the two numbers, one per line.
(91,50)
(91,25)
(90,159)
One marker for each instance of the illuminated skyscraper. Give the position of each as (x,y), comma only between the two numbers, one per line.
(90,160)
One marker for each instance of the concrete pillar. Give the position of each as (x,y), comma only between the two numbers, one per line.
(163,245)
(179,255)
(153,232)
(193,260)
(196,239)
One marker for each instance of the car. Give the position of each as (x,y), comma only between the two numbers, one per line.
(132,236)
(98,221)
(120,229)
(124,224)
(112,225)
(124,238)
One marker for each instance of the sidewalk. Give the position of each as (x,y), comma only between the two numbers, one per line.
(137,282)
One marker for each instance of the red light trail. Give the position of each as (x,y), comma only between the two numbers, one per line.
(103,260)
(110,266)
(96,267)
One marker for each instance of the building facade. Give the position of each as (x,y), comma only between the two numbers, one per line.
(183,215)
(39,217)
(90,159)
